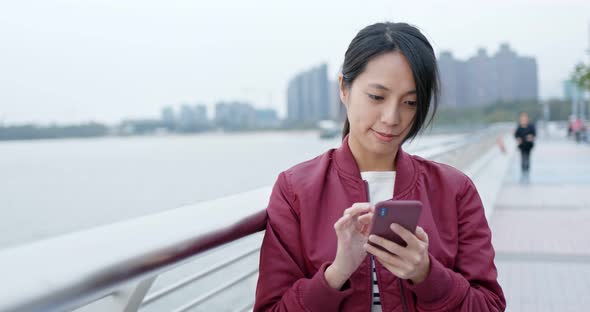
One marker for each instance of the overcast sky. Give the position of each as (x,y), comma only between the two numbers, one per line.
(75,61)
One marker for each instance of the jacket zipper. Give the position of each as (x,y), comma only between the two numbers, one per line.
(367,199)
(401,285)
(403,295)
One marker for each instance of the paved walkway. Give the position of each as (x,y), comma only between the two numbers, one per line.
(541,230)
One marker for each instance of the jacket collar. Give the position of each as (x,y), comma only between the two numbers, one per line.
(405,167)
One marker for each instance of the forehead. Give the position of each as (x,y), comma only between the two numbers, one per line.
(391,70)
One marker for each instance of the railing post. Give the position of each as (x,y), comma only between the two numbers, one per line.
(129,299)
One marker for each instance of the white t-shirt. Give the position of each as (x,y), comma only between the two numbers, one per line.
(381,185)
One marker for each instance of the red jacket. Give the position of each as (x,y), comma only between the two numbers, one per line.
(300,241)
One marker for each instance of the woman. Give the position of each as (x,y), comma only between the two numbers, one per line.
(525,135)
(315,254)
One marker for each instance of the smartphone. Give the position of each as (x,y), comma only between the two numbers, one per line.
(403,212)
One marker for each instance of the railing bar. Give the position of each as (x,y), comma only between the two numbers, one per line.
(216,290)
(246,307)
(459,144)
(182,283)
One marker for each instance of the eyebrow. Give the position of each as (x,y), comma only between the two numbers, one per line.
(382,87)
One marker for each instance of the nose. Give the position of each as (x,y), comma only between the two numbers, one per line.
(391,114)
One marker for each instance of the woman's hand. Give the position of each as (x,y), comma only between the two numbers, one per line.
(352,230)
(411,262)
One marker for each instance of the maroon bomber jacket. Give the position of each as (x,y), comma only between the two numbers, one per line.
(300,241)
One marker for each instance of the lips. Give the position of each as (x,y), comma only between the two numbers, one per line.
(389,135)
(384,134)
(384,137)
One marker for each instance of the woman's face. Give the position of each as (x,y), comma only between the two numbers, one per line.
(381,104)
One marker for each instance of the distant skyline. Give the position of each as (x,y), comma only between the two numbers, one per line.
(484,79)
(70,61)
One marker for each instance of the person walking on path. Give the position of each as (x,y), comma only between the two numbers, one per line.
(525,135)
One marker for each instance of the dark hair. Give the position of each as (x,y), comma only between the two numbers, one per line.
(381,38)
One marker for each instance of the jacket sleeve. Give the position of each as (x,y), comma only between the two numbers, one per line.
(472,284)
(283,283)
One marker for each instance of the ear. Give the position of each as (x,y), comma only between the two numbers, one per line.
(343,91)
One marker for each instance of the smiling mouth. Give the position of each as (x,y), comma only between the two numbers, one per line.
(389,135)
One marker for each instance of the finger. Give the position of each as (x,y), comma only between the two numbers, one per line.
(421,234)
(396,270)
(358,208)
(342,222)
(361,205)
(406,235)
(390,246)
(399,272)
(400,264)
(366,218)
(365,223)
(383,255)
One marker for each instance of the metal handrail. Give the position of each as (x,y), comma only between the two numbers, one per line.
(92,264)
(110,258)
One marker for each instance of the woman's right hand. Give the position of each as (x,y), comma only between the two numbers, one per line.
(352,231)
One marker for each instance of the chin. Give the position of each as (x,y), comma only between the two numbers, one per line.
(386,149)
(379,147)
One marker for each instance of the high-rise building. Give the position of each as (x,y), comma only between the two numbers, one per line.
(337,109)
(483,80)
(450,73)
(192,118)
(168,118)
(235,115)
(267,118)
(309,96)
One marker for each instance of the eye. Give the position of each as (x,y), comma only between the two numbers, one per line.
(411,103)
(375,97)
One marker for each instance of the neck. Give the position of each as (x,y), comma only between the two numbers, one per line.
(368,161)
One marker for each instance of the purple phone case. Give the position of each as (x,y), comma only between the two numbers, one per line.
(403,212)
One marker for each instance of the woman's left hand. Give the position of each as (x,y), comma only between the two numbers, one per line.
(411,262)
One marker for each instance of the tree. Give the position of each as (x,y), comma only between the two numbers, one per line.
(581,76)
